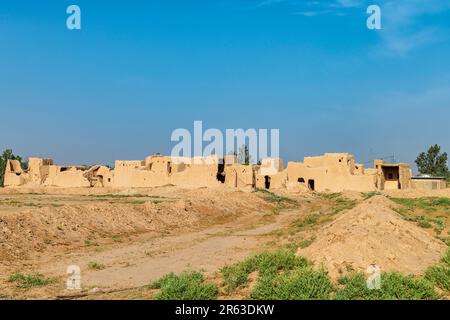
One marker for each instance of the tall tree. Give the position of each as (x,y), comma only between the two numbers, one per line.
(433,162)
(244,155)
(7,155)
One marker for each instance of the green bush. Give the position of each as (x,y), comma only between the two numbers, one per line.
(265,263)
(439,274)
(394,286)
(23,280)
(272,197)
(93,265)
(185,286)
(299,284)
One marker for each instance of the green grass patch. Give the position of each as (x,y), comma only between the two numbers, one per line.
(439,274)
(185,286)
(90,243)
(306,221)
(265,263)
(93,265)
(427,207)
(274,198)
(298,284)
(134,199)
(394,286)
(24,280)
(368,195)
(339,203)
(306,243)
(121,196)
(4,296)
(430,204)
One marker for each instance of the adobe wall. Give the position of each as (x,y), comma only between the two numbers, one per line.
(239,176)
(13,174)
(157,170)
(69,178)
(271,169)
(428,184)
(330,172)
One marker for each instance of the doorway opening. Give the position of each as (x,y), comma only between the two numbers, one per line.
(267,182)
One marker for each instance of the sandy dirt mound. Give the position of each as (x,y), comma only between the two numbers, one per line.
(372,233)
(31,231)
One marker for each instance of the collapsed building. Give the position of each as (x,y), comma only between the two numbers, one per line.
(330,172)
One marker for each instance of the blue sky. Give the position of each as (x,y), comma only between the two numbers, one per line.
(140,69)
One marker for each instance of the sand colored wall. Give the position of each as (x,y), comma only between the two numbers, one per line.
(70,178)
(428,184)
(13,174)
(239,176)
(401,175)
(139,174)
(405,176)
(38,169)
(196,176)
(331,172)
(359,169)
(270,166)
(159,170)
(230,159)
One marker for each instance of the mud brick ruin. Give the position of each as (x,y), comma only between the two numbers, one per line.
(330,172)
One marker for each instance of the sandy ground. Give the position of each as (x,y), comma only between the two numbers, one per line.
(374,234)
(137,236)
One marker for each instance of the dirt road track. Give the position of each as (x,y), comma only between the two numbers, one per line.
(137,264)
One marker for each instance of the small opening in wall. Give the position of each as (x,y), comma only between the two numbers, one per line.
(220,173)
(267,182)
(301,180)
(311,184)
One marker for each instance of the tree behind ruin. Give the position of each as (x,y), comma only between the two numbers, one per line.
(433,162)
(7,155)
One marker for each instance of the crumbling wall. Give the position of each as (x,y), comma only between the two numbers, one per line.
(270,174)
(14,175)
(158,170)
(67,177)
(330,172)
(239,176)
(428,184)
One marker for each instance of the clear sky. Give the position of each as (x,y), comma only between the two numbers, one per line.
(137,70)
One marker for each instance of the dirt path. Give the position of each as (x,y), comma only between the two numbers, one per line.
(137,264)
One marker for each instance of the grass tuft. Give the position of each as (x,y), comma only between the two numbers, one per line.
(299,284)
(439,274)
(185,286)
(274,198)
(394,286)
(265,263)
(93,265)
(24,280)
